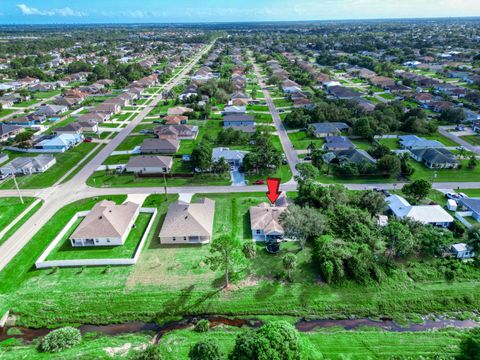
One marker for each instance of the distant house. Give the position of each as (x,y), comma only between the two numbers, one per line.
(234,110)
(424,98)
(60,143)
(8,131)
(425,214)
(176,132)
(179,110)
(233,157)
(175,119)
(343,93)
(159,146)
(51,110)
(97,117)
(149,164)
(321,130)
(188,223)
(78,127)
(107,224)
(473,205)
(355,156)
(28,165)
(411,142)
(335,143)
(27,120)
(238,120)
(265,220)
(462,251)
(436,158)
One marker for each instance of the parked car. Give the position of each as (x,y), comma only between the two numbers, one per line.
(259,182)
(88,140)
(452,195)
(3,177)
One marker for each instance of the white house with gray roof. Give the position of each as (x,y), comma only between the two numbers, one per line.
(28,165)
(425,214)
(233,157)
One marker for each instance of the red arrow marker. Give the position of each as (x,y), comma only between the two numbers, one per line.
(273,186)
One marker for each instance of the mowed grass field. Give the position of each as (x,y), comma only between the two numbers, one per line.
(171,282)
(336,344)
(11,208)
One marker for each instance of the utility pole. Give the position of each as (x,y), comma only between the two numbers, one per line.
(18,189)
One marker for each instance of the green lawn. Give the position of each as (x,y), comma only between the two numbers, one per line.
(131,142)
(46,94)
(5,112)
(392,144)
(22,221)
(65,251)
(263,108)
(11,209)
(65,161)
(282,103)
(362,144)
(175,281)
(472,139)
(301,140)
(439,137)
(263,118)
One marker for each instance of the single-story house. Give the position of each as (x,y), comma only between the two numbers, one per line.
(425,214)
(462,251)
(321,130)
(7,131)
(110,109)
(188,223)
(51,110)
(356,156)
(28,165)
(107,224)
(78,127)
(27,120)
(233,157)
(238,120)
(175,119)
(179,110)
(410,142)
(231,110)
(440,158)
(159,146)
(265,220)
(471,204)
(336,143)
(180,132)
(343,93)
(97,117)
(149,164)
(61,142)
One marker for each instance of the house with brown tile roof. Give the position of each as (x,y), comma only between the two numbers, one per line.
(265,220)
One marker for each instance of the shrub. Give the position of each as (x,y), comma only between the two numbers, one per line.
(201,326)
(205,350)
(60,339)
(150,353)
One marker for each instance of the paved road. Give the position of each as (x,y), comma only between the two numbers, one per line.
(444,131)
(291,154)
(59,196)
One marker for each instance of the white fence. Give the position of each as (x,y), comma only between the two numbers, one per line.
(461,217)
(41,263)
(33,151)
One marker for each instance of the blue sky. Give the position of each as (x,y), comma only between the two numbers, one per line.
(164,11)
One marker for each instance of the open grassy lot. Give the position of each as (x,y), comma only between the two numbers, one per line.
(391,143)
(5,112)
(65,161)
(175,281)
(337,344)
(131,142)
(11,209)
(263,118)
(162,108)
(263,108)
(46,94)
(282,103)
(362,144)
(24,219)
(439,137)
(65,251)
(472,139)
(301,140)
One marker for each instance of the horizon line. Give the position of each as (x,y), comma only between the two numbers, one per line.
(245,21)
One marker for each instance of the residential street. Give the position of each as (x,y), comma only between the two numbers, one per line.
(57,197)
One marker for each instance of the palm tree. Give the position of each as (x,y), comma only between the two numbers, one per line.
(289,264)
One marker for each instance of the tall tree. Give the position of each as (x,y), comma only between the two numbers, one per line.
(302,223)
(418,189)
(289,264)
(226,254)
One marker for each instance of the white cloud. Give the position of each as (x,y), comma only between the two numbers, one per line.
(66,11)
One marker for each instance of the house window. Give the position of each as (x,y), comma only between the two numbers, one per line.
(108,240)
(97,241)
(258,231)
(174,238)
(184,238)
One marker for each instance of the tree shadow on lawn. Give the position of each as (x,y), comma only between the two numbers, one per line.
(267,289)
(184,302)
